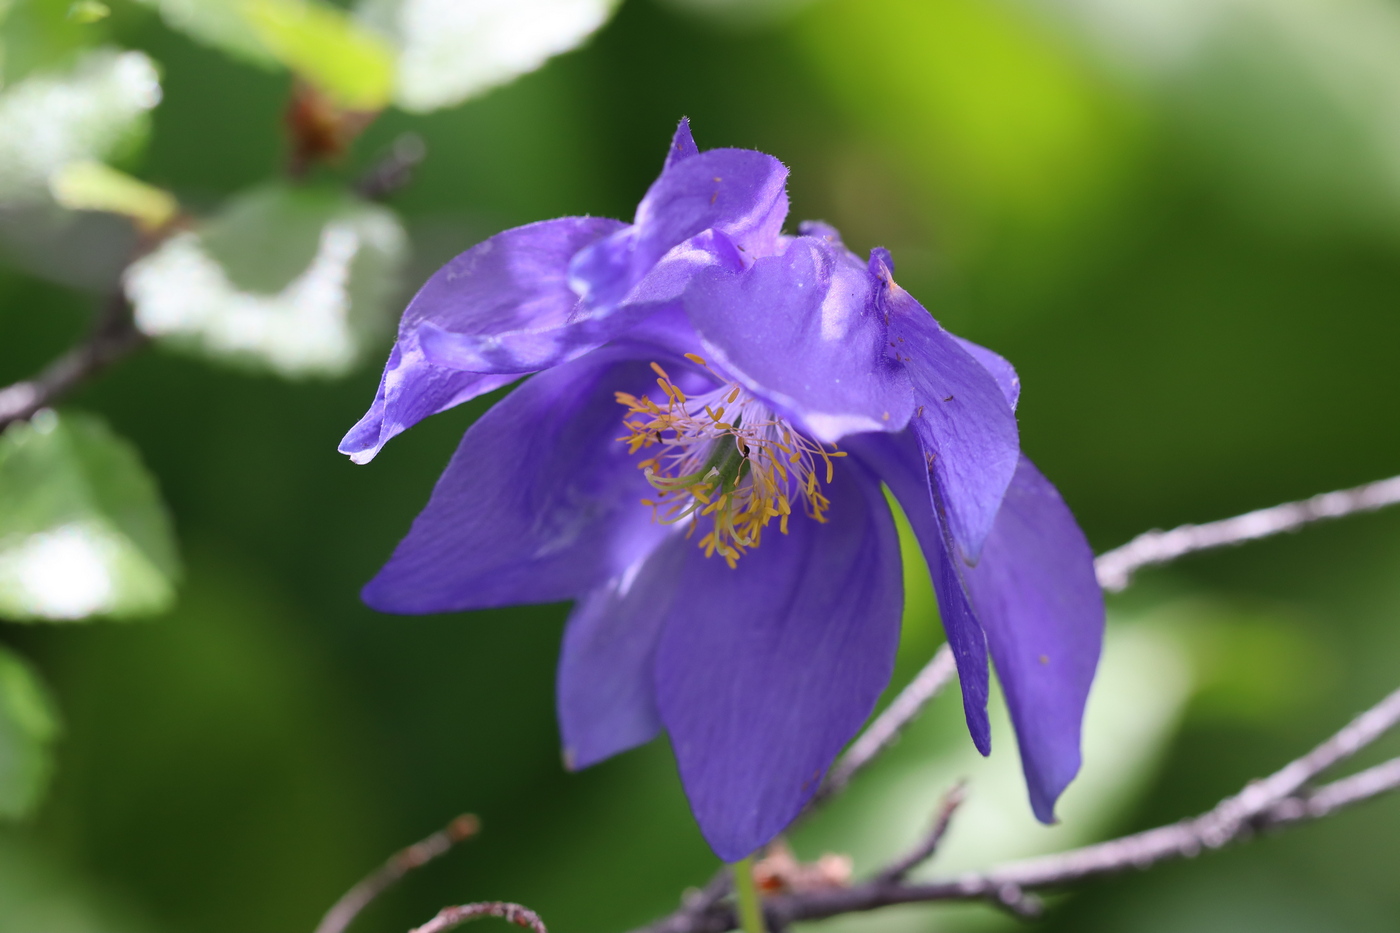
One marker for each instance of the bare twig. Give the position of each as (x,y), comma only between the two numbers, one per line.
(394,171)
(1277,801)
(885,730)
(1116,567)
(900,868)
(114,335)
(449,917)
(345,910)
(1328,799)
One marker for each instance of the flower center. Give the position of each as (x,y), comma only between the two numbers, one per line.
(726,457)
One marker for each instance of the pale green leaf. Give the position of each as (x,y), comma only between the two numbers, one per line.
(451,50)
(294,281)
(346,61)
(28,726)
(88,113)
(83,531)
(85,12)
(92,186)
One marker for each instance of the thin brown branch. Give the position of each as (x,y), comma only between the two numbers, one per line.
(114,335)
(1116,567)
(885,730)
(394,171)
(900,868)
(449,917)
(345,910)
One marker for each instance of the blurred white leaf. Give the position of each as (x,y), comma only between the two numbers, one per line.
(86,113)
(1143,684)
(219,23)
(28,726)
(450,50)
(287,280)
(82,528)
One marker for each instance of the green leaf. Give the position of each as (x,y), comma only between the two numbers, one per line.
(28,727)
(352,65)
(92,112)
(451,50)
(41,35)
(290,280)
(82,528)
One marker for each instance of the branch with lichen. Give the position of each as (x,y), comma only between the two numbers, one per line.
(1278,801)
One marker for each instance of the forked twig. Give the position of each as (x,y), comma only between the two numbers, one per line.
(344,911)
(449,917)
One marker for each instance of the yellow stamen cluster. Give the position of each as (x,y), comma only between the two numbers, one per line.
(724,456)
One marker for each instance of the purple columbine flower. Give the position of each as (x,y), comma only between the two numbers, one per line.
(699,465)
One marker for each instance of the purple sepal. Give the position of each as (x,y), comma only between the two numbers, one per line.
(606,695)
(800,330)
(682,144)
(539,503)
(1042,609)
(996,364)
(410,390)
(516,281)
(899,462)
(962,417)
(738,192)
(765,671)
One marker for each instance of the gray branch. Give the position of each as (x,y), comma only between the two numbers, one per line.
(1116,567)
(1280,800)
(114,336)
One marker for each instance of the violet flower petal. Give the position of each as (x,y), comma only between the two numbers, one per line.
(899,461)
(996,364)
(962,418)
(765,671)
(1041,606)
(682,144)
(408,393)
(517,280)
(800,330)
(539,503)
(605,691)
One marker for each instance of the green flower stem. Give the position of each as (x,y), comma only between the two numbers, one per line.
(750,911)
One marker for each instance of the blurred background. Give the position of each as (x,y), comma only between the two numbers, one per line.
(1180,219)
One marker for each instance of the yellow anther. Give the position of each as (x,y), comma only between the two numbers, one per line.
(739,474)
(696,359)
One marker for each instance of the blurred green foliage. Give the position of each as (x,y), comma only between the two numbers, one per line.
(1179,221)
